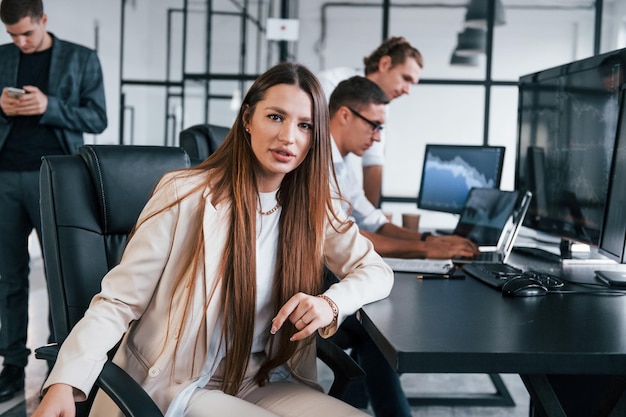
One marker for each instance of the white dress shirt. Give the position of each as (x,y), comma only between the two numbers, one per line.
(358,207)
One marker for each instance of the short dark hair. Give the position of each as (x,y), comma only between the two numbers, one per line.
(356,92)
(398,48)
(12,11)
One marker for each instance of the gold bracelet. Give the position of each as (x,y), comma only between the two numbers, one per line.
(333,307)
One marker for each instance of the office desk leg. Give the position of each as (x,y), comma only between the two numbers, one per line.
(501,398)
(555,394)
(543,396)
(620,404)
(613,402)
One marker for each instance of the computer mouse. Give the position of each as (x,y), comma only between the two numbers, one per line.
(523,287)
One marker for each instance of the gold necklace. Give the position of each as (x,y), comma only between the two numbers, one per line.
(267,213)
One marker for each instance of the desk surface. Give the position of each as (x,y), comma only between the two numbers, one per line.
(464,326)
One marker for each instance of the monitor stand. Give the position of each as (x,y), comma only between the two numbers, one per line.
(570,256)
(566,256)
(591,256)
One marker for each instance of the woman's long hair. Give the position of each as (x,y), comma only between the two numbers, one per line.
(306,203)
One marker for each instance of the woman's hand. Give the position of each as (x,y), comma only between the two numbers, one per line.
(307,313)
(58,402)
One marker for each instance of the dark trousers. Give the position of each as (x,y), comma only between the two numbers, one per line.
(382,383)
(19,215)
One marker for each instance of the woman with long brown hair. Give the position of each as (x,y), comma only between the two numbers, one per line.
(221,281)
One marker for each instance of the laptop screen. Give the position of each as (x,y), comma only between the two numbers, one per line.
(486,215)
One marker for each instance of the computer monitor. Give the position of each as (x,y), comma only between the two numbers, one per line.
(567,118)
(613,236)
(451,171)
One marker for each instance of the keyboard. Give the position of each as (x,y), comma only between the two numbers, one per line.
(426,266)
(486,257)
(495,275)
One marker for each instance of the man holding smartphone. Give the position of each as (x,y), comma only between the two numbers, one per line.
(63,96)
(15,92)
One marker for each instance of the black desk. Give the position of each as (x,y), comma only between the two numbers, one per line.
(464,326)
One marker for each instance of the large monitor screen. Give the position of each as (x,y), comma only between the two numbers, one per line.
(613,237)
(451,171)
(567,119)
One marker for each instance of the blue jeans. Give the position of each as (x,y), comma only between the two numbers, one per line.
(19,215)
(382,382)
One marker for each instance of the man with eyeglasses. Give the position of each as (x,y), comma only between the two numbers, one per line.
(357,117)
(394,66)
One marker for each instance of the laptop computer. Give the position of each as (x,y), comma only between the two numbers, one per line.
(492,218)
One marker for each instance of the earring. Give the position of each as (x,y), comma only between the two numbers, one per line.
(248,129)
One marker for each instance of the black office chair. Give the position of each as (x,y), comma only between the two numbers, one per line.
(200,141)
(82,241)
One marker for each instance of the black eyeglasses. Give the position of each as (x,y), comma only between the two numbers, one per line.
(375,126)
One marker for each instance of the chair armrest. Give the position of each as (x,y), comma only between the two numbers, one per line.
(117,384)
(48,352)
(134,402)
(344,368)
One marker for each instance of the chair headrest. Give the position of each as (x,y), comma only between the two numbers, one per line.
(124,177)
(202,140)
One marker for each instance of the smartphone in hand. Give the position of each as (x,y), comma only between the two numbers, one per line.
(15,92)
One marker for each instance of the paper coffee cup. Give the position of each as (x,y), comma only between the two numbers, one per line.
(411,221)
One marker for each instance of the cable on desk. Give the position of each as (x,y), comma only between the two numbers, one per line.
(599,289)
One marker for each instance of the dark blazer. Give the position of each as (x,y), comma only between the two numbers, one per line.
(75,92)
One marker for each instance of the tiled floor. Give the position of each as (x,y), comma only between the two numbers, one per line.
(23,405)
(456,385)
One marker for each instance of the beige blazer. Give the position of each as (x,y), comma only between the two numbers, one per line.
(137,296)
